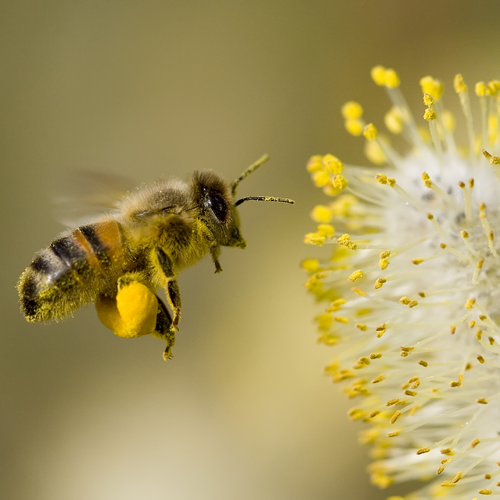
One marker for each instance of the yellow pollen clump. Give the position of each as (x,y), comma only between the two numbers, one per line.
(354,126)
(332,164)
(481,89)
(352,109)
(370,132)
(391,79)
(339,182)
(355,276)
(431,86)
(378,75)
(429,114)
(314,239)
(321,213)
(459,84)
(428,100)
(326,230)
(132,313)
(315,163)
(310,265)
(345,240)
(321,178)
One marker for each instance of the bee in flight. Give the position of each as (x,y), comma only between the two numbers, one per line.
(120,260)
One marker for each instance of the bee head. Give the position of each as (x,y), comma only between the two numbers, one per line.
(215,201)
(215,197)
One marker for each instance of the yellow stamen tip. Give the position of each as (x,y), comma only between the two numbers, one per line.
(459,84)
(352,109)
(370,132)
(378,75)
(429,114)
(355,276)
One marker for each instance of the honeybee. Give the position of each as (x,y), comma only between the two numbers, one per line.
(119,260)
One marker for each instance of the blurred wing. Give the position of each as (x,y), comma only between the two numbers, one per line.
(87,195)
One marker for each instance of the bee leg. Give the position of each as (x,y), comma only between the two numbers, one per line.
(162,329)
(215,252)
(171,287)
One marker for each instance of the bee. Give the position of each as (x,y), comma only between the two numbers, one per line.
(119,260)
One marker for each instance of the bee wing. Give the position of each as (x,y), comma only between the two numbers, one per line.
(87,195)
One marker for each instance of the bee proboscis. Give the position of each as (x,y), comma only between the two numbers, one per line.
(152,234)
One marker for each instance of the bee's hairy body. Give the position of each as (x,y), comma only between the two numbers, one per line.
(154,232)
(151,235)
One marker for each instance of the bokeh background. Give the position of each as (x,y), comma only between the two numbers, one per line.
(151,88)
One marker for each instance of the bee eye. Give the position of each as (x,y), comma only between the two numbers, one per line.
(218,205)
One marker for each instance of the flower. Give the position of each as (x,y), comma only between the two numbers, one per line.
(412,290)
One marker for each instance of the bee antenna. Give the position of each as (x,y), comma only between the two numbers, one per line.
(247,172)
(264,198)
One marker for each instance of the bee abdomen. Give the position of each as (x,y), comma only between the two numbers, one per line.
(71,271)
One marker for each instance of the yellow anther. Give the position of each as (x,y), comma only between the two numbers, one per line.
(423,363)
(426,180)
(481,89)
(417,261)
(336,304)
(315,163)
(339,182)
(324,321)
(431,86)
(464,234)
(378,379)
(326,230)
(358,292)
(345,240)
(379,282)
(320,178)
(370,132)
(421,294)
(470,303)
(453,329)
(352,109)
(391,79)
(413,303)
(447,451)
(410,393)
(355,276)
(321,213)
(475,442)
(383,263)
(395,416)
(310,265)
(375,355)
(423,450)
(393,121)
(332,164)
(378,75)
(485,492)
(459,84)
(354,126)
(314,239)
(381,178)
(374,414)
(361,326)
(494,87)
(429,114)
(391,181)
(404,300)
(428,99)
(494,160)
(482,401)
(341,319)
(480,359)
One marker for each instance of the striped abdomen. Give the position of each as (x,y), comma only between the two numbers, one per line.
(72,271)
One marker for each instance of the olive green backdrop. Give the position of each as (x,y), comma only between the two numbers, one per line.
(151,88)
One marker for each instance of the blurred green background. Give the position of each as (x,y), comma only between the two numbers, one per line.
(151,88)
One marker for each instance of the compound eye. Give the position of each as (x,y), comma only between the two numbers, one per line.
(218,205)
